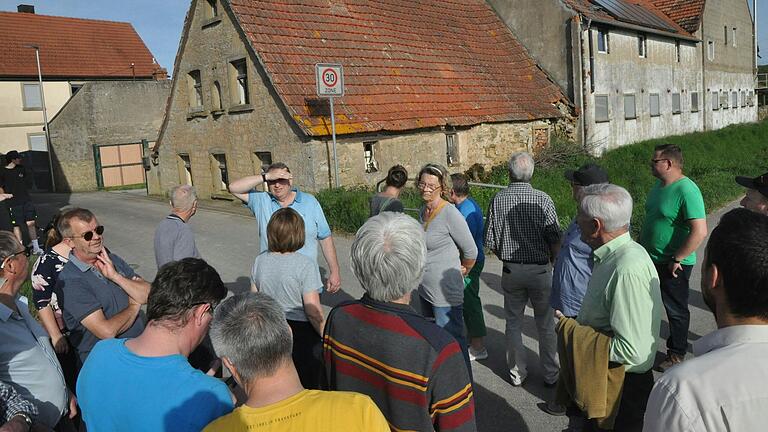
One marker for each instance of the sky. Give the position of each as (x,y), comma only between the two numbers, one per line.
(159,22)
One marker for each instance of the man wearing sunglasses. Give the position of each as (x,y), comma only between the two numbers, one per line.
(282,194)
(675,225)
(27,360)
(146,383)
(99,294)
(756,198)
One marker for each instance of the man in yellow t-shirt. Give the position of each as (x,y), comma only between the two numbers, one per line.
(251,336)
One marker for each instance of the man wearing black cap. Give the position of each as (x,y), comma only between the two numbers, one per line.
(757,193)
(14,181)
(573,265)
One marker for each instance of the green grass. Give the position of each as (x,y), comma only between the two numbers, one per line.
(26,288)
(712,160)
(126,187)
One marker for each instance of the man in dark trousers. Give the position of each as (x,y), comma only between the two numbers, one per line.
(15,181)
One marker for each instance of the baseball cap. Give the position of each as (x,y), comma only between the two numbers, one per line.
(11,155)
(587,174)
(759,183)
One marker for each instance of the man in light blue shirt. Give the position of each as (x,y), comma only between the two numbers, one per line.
(573,265)
(27,360)
(282,194)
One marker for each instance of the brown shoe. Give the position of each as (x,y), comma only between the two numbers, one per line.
(671,360)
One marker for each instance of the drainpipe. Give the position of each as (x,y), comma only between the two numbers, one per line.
(705,94)
(584,95)
(577,45)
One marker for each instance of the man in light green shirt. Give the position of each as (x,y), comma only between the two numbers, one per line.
(623,297)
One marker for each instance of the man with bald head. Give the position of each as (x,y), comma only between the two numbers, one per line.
(174,239)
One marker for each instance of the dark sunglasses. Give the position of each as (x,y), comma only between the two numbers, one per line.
(761,181)
(27,251)
(88,235)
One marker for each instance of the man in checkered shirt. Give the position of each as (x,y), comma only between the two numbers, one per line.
(523,231)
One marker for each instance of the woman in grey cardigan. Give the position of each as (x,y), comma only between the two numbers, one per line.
(451,253)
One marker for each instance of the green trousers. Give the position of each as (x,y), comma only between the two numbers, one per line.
(473,309)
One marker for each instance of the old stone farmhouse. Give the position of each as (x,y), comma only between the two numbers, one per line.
(101,135)
(640,69)
(424,83)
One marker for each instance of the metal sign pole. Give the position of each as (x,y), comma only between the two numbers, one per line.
(335,159)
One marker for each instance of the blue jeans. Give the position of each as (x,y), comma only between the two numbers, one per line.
(450,318)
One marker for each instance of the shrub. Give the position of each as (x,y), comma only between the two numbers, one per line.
(712,160)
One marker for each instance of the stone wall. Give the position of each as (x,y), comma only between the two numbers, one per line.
(102,113)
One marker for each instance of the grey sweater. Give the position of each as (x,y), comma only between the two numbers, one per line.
(447,234)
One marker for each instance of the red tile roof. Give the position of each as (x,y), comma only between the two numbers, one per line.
(71,48)
(687,13)
(407,64)
(591,9)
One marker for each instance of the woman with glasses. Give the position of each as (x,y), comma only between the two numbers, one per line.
(389,198)
(451,253)
(293,280)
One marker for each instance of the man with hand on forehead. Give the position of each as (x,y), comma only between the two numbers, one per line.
(99,294)
(756,198)
(282,194)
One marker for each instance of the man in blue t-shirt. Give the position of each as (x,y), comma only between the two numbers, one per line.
(282,194)
(473,308)
(146,383)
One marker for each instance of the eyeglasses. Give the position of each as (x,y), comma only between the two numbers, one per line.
(88,235)
(655,161)
(27,251)
(427,186)
(211,309)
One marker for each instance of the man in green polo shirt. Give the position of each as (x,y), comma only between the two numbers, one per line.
(675,225)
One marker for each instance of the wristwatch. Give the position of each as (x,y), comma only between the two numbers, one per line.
(24,417)
(263,177)
(675,260)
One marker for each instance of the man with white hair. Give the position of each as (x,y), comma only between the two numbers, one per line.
(174,238)
(623,298)
(379,346)
(523,231)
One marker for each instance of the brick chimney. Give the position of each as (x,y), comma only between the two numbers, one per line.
(160,73)
(25,8)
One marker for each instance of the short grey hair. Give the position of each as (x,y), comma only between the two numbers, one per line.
(9,245)
(183,197)
(521,167)
(388,255)
(610,203)
(251,331)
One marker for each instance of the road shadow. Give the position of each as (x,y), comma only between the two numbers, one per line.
(493,281)
(493,413)
(497,363)
(240,285)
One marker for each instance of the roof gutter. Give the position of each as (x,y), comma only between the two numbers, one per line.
(645,29)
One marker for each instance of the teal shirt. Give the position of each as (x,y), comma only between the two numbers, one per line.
(623,299)
(667,212)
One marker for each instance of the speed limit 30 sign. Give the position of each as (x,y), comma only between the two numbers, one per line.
(330,79)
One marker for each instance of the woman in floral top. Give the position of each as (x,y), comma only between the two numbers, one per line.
(45,274)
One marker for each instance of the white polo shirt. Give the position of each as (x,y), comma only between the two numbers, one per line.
(724,388)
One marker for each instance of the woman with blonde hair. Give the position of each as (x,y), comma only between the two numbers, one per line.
(451,253)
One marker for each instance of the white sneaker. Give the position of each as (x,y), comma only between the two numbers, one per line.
(516,379)
(477,355)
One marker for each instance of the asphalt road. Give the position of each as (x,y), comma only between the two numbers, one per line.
(228,240)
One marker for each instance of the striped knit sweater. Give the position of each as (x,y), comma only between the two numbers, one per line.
(411,368)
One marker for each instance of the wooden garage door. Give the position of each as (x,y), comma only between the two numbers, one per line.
(119,165)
